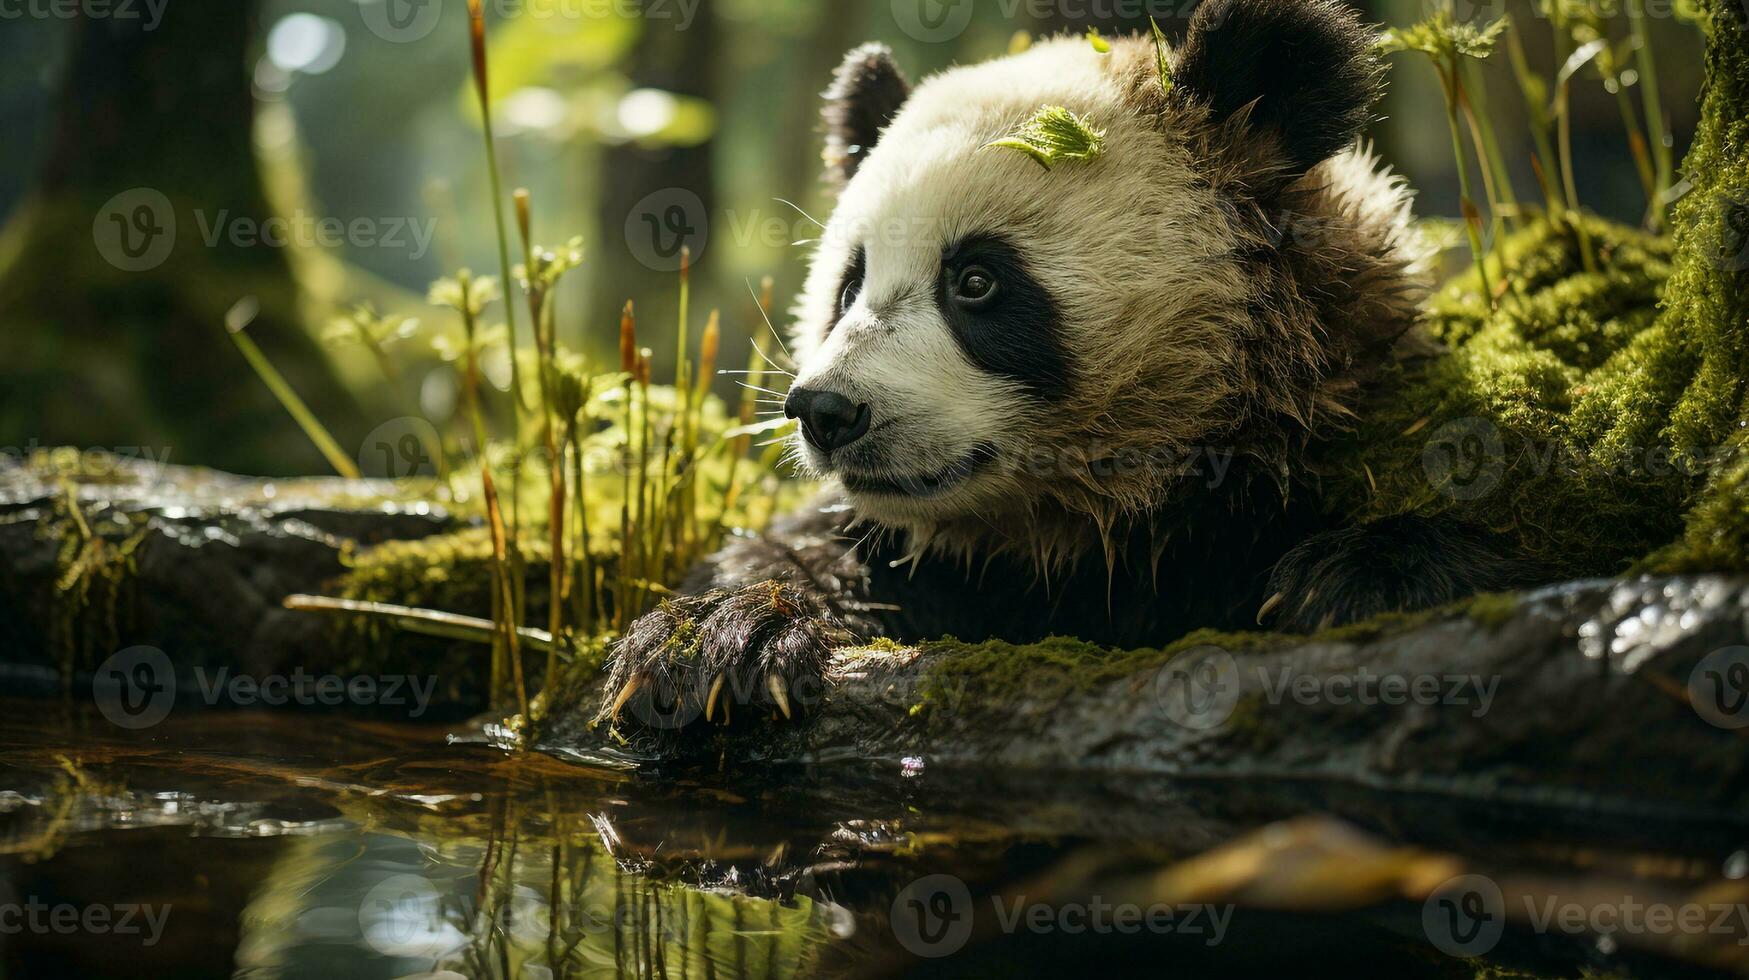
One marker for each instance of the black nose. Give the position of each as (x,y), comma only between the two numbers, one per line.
(829,420)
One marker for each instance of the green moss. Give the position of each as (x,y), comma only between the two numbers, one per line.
(1494,609)
(451,572)
(1002,675)
(95,564)
(1597,417)
(1549,419)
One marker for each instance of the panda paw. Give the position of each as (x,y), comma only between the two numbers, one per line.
(720,655)
(1395,564)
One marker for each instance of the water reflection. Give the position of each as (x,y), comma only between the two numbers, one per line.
(301,846)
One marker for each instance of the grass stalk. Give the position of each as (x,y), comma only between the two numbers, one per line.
(628,362)
(1529,85)
(640,525)
(1643,165)
(1472,217)
(293,404)
(429,622)
(510,629)
(542,319)
(1564,134)
(1503,196)
(1663,163)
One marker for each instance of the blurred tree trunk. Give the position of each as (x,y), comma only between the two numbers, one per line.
(116,274)
(653,196)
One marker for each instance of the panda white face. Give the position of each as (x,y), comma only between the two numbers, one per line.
(964,302)
(981,337)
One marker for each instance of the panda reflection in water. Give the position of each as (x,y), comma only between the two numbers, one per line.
(1081,399)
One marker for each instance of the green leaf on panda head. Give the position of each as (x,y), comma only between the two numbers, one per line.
(1162,59)
(1054,135)
(1100,44)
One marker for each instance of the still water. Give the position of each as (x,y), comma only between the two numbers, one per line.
(301,845)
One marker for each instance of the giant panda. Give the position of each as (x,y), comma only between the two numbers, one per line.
(1081,399)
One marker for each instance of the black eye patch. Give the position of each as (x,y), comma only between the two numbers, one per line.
(849,287)
(1001,316)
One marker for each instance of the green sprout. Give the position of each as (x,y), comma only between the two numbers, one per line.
(1447,44)
(1054,135)
(1162,57)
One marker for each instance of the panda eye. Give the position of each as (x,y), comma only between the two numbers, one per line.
(852,290)
(976,288)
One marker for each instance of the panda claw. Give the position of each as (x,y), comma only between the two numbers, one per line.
(625,694)
(710,702)
(1269,606)
(779,692)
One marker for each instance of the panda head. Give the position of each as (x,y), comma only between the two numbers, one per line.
(980,336)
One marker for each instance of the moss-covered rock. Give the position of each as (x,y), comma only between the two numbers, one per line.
(1596,414)
(1544,418)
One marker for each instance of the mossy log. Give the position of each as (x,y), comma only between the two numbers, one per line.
(1576,696)
(99,553)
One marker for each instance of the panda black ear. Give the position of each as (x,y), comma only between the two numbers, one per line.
(1306,69)
(866,93)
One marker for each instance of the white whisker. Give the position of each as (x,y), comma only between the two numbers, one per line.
(801,212)
(779,394)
